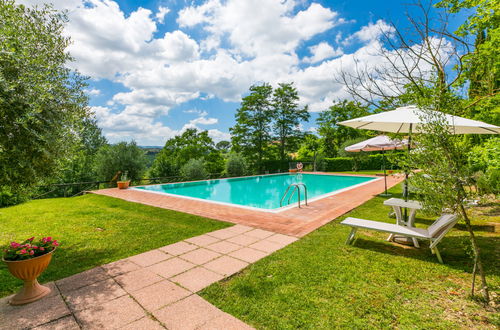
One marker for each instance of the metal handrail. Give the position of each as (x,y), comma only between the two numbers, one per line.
(296,187)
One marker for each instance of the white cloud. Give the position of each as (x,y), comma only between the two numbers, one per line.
(320,52)
(93,92)
(371,32)
(160,15)
(243,43)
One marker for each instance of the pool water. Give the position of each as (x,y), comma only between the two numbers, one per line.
(264,191)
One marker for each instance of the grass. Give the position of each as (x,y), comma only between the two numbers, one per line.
(94,230)
(319,282)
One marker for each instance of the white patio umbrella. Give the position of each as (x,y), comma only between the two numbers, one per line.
(378,143)
(409,119)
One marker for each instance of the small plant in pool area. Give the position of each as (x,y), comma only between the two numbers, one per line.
(29,249)
(124,181)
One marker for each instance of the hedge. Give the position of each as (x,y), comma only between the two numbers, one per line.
(372,162)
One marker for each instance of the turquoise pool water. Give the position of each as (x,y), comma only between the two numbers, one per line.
(262,191)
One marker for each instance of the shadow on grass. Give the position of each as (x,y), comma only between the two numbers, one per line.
(461,226)
(452,251)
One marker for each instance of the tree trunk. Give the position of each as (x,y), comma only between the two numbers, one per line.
(477,254)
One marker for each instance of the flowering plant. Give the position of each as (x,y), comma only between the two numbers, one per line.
(29,249)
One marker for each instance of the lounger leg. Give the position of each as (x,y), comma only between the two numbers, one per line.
(351,236)
(391,236)
(415,242)
(438,255)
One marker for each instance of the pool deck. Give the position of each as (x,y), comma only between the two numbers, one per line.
(295,221)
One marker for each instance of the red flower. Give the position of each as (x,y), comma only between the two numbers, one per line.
(55,243)
(32,252)
(23,251)
(42,248)
(31,239)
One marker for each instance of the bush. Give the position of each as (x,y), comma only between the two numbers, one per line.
(124,157)
(372,162)
(194,169)
(235,165)
(338,164)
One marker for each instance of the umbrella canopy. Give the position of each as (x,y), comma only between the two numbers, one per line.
(378,143)
(409,119)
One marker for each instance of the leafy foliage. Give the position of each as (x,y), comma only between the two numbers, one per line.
(235,165)
(121,157)
(252,133)
(288,116)
(194,169)
(42,102)
(333,134)
(192,144)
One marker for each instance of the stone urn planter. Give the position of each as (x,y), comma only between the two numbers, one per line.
(123,184)
(28,271)
(26,261)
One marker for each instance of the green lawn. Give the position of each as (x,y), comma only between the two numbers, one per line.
(94,230)
(319,282)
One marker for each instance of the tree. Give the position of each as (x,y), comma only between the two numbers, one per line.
(192,144)
(42,101)
(310,148)
(223,146)
(194,169)
(252,133)
(333,134)
(287,116)
(121,157)
(80,166)
(235,165)
(414,69)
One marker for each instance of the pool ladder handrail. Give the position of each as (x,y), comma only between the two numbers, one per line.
(296,187)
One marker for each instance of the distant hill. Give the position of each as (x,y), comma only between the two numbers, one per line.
(151,152)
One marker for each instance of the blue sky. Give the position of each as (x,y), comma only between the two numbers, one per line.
(157,68)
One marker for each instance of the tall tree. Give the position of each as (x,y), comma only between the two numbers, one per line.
(192,144)
(414,66)
(333,134)
(287,116)
(121,157)
(42,101)
(252,133)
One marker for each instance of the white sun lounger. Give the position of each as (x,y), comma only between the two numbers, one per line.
(434,233)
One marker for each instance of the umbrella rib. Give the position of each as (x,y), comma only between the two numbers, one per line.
(364,125)
(495,132)
(400,127)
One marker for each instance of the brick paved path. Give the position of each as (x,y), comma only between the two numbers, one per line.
(153,290)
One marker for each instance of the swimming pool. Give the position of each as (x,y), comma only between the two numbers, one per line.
(263,192)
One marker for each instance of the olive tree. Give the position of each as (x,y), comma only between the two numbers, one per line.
(42,101)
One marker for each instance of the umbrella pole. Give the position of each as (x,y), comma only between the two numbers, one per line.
(385,194)
(406,191)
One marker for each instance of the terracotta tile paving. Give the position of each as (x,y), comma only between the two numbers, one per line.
(145,323)
(178,248)
(243,239)
(266,246)
(223,247)
(295,221)
(137,279)
(197,278)
(94,294)
(110,315)
(120,267)
(202,240)
(149,258)
(65,323)
(160,294)
(171,267)
(226,322)
(248,254)
(200,256)
(226,265)
(82,279)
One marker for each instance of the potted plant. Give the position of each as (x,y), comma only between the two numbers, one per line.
(26,261)
(124,181)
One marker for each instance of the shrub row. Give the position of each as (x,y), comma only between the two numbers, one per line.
(372,162)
